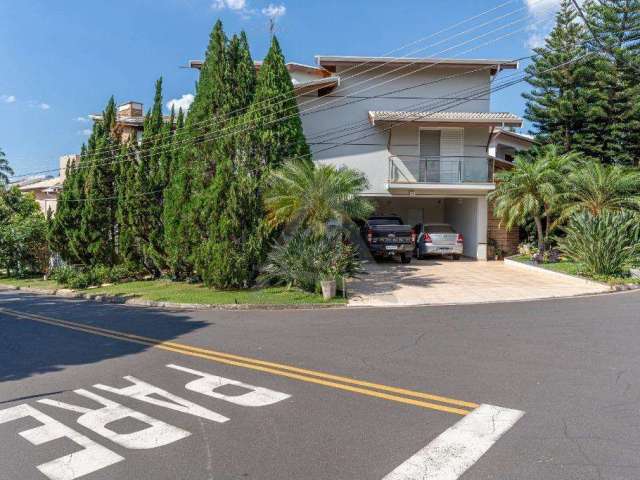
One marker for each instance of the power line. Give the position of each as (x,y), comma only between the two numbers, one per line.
(597,39)
(393,125)
(324,107)
(227,116)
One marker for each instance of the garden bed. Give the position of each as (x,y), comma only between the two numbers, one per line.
(569,267)
(165,291)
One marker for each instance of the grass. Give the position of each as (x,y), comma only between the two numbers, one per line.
(179,292)
(570,267)
(29,282)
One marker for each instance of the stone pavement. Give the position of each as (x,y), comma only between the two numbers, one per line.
(443,281)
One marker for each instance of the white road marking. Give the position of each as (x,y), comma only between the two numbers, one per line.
(257,397)
(143,391)
(157,434)
(91,458)
(450,454)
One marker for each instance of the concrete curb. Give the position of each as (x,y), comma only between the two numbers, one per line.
(593,283)
(138,302)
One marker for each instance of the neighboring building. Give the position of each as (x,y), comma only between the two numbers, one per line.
(46,191)
(129,121)
(505,144)
(431,163)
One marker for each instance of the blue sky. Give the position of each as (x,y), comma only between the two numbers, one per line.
(62,60)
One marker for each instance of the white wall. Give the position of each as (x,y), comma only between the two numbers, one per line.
(462,215)
(431,209)
(370,154)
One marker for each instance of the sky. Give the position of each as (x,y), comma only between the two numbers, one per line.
(62,60)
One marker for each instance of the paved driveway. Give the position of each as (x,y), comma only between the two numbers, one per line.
(443,281)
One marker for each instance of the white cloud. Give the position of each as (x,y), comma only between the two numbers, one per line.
(274,11)
(86,132)
(236,5)
(183,102)
(7,98)
(83,119)
(542,14)
(44,106)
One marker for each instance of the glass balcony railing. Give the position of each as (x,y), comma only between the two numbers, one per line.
(440,170)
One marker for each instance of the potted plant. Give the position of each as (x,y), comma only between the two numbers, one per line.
(328,285)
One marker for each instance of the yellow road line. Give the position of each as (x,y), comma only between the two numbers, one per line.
(305,375)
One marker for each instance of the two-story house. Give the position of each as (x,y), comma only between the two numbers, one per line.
(422,131)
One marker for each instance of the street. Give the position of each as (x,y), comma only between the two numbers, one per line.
(523,390)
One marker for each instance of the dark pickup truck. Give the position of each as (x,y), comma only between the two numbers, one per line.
(388,236)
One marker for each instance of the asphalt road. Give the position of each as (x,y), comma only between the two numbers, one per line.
(322,394)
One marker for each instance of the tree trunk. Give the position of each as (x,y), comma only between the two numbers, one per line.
(538,221)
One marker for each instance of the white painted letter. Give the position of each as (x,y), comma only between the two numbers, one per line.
(257,397)
(91,458)
(155,435)
(142,391)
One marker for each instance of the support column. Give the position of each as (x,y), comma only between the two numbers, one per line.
(482,226)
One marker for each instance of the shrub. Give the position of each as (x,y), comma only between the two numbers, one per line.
(307,258)
(605,244)
(63,274)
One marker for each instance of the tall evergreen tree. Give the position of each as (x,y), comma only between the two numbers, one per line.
(559,106)
(98,214)
(65,225)
(277,132)
(187,212)
(146,186)
(226,257)
(616,27)
(128,247)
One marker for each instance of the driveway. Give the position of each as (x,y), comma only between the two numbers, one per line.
(442,282)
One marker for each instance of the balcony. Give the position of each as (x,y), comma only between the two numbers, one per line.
(458,170)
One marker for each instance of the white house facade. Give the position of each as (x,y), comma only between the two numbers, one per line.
(422,131)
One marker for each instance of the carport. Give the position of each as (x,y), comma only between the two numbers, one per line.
(466,214)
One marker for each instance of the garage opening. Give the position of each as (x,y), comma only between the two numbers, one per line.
(463,214)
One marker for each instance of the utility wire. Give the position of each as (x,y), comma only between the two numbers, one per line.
(337,129)
(209,136)
(596,38)
(206,123)
(489,90)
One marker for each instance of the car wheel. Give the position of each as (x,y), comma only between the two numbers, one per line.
(404,258)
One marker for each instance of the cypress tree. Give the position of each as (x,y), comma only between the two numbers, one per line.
(225,258)
(128,248)
(98,216)
(616,26)
(187,212)
(146,186)
(559,106)
(65,225)
(277,128)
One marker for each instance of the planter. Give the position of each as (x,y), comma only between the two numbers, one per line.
(328,289)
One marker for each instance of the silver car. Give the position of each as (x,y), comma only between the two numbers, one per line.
(438,239)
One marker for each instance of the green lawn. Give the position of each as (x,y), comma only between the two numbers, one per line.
(572,268)
(33,282)
(179,292)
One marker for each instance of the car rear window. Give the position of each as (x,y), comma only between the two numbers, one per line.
(439,229)
(385,221)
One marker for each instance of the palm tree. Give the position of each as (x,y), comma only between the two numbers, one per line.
(530,190)
(5,169)
(595,188)
(302,194)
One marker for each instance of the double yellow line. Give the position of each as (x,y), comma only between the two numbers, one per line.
(395,394)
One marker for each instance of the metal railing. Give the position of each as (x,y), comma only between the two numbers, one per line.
(412,169)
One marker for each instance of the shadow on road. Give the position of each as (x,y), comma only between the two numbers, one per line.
(29,348)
